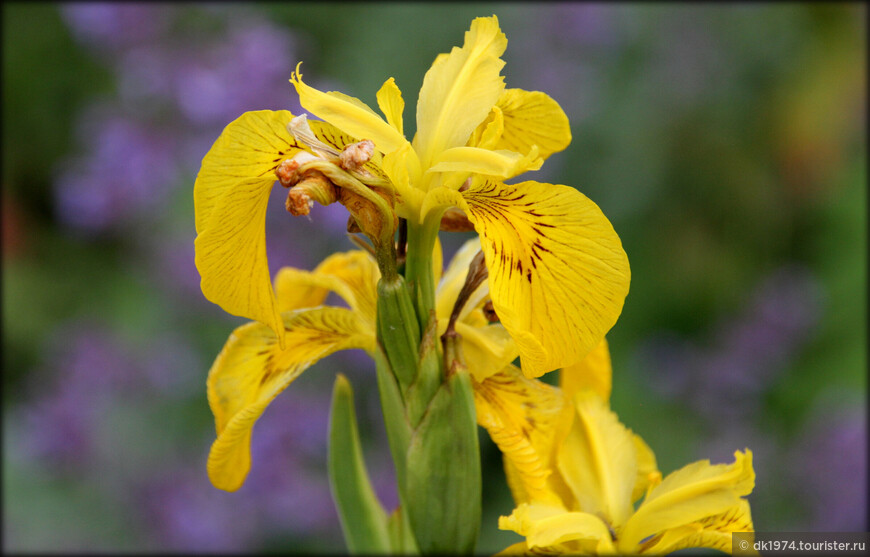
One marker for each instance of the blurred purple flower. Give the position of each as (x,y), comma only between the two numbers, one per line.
(829,463)
(584,24)
(85,364)
(113,24)
(248,70)
(288,460)
(185,513)
(127,170)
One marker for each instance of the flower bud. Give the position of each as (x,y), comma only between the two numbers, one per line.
(313,186)
(288,171)
(357,154)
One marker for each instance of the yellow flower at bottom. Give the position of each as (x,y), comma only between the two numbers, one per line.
(577,479)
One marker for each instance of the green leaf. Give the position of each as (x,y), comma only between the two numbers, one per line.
(395,419)
(363,519)
(401,536)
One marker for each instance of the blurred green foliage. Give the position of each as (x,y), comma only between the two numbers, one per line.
(764,166)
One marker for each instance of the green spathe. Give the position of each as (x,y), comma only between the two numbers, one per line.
(443,469)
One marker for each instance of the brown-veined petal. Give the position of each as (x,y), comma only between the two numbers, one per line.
(527,118)
(526,419)
(692,493)
(252,370)
(459,90)
(230,198)
(558,275)
(714,532)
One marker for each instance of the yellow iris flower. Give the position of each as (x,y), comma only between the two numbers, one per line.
(252,369)
(558,274)
(576,472)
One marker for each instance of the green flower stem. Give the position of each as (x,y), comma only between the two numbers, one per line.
(418,268)
(398,331)
(430,416)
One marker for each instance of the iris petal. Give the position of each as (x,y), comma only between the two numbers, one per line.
(252,370)
(558,275)
(692,493)
(459,90)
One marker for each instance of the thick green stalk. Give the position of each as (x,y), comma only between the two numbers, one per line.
(418,268)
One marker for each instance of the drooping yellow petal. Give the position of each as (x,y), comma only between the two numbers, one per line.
(252,370)
(593,372)
(459,90)
(245,151)
(497,164)
(714,532)
(231,256)
(549,525)
(598,460)
(348,114)
(528,118)
(558,275)
(391,104)
(353,275)
(230,197)
(696,491)
(524,418)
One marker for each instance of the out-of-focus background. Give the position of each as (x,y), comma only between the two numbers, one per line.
(725,143)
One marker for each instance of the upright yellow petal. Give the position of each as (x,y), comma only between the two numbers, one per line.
(348,114)
(353,275)
(459,90)
(252,370)
(524,417)
(527,118)
(598,460)
(593,372)
(558,275)
(496,164)
(696,491)
(391,104)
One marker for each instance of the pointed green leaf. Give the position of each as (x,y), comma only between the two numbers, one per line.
(363,519)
